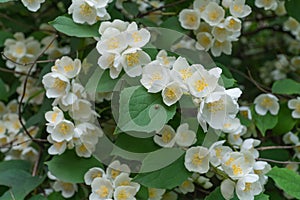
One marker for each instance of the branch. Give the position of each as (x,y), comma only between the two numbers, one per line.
(24,91)
(275,147)
(276,161)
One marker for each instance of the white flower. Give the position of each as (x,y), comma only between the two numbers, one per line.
(233,24)
(266,4)
(67,189)
(118,24)
(164,59)
(294,104)
(155,194)
(227,189)
(248,146)
(137,38)
(125,193)
(204,41)
(280,10)
(29,153)
(219,47)
(237,164)
(112,41)
(217,152)
(155,77)
(203,82)
(185,137)
(170,196)
(124,180)
(182,71)
(290,138)
(56,85)
(197,159)
(291,25)
(67,67)
(234,138)
(64,130)
(57,148)
(133,59)
(93,173)
(187,186)
(81,110)
(213,13)
(102,189)
(55,116)
(83,12)
(226,3)
(165,137)
(245,112)
(261,168)
(85,149)
(221,33)
(115,168)
(248,186)
(32,5)
(88,132)
(112,62)
(266,102)
(239,9)
(189,19)
(217,110)
(2,129)
(172,93)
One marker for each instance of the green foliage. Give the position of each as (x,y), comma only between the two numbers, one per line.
(265,122)
(131,7)
(166,178)
(286,86)
(67,26)
(16,175)
(3,91)
(143,111)
(287,180)
(3,36)
(292,7)
(69,167)
(285,119)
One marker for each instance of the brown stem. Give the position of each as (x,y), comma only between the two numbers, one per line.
(275,147)
(276,161)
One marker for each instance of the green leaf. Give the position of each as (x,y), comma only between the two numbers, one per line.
(3,36)
(265,122)
(292,8)
(131,8)
(216,194)
(142,193)
(142,111)
(3,91)
(69,167)
(138,145)
(165,178)
(287,122)
(20,182)
(172,23)
(286,86)
(228,82)
(106,83)
(67,26)
(287,180)
(15,164)
(261,197)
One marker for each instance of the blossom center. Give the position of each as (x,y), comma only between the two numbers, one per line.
(103,191)
(200,85)
(132,59)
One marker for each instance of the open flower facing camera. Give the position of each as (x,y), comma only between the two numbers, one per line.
(149,99)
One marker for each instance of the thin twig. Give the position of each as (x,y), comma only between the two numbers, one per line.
(37,162)
(25,64)
(24,91)
(276,161)
(12,71)
(275,147)
(256,83)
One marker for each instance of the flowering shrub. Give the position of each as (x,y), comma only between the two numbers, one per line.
(149,99)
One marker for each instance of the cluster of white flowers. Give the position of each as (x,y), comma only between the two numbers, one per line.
(216,32)
(115,183)
(240,172)
(89,11)
(13,141)
(217,106)
(21,51)
(70,97)
(120,48)
(32,5)
(34,93)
